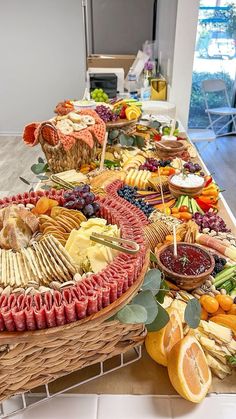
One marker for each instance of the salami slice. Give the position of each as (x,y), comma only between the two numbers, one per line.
(19,319)
(59,309)
(81,307)
(2,324)
(39,312)
(70,312)
(49,310)
(8,319)
(92,302)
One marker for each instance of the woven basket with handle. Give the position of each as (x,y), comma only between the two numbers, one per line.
(60,159)
(30,359)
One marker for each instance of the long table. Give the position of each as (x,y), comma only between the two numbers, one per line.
(145,376)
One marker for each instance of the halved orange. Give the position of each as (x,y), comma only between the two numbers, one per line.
(159,343)
(188,369)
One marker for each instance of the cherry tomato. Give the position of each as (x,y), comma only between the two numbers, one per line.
(225,302)
(175,210)
(210,304)
(184,208)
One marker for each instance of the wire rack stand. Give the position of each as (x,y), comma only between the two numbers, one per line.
(19,403)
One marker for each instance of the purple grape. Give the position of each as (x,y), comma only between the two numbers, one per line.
(96,207)
(69,204)
(89,198)
(67,196)
(85,188)
(80,203)
(88,210)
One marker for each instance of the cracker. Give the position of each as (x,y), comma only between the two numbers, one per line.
(65,257)
(29,267)
(54,262)
(21,268)
(3,279)
(12,280)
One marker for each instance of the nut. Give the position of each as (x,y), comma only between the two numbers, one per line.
(208,283)
(18,291)
(223,291)
(77,277)
(30,206)
(216,292)
(213,288)
(206,230)
(67,284)
(55,285)
(7,291)
(43,289)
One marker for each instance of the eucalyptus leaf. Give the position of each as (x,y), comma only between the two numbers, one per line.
(138,141)
(153,257)
(126,140)
(40,160)
(39,168)
(31,189)
(132,313)
(152,281)
(192,313)
(160,321)
(45,187)
(147,300)
(42,177)
(113,134)
(163,291)
(24,180)
(155,124)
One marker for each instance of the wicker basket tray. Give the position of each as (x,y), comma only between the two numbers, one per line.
(30,359)
(57,157)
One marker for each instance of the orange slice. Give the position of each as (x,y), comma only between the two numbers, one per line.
(159,343)
(188,369)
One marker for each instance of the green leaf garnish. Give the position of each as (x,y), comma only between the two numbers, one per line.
(192,313)
(160,321)
(132,313)
(152,281)
(147,300)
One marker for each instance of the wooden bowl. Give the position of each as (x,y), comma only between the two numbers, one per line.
(177,191)
(174,149)
(185,282)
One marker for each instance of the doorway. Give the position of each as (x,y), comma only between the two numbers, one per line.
(214,58)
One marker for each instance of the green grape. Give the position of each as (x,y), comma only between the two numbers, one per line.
(105,97)
(100,90)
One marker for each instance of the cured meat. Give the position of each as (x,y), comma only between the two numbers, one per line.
(2,324)
(59,309)
(99,296)
(39,312)
(19,319)
(8,319)
(29,314)
(92,302)
(49,310)
(81,307)
(69,305)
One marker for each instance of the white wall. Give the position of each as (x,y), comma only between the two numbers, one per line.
(165,35)
(42,59)
(185,38)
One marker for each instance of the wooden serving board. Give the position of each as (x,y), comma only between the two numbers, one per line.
(120,123)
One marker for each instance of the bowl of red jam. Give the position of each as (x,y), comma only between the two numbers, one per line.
(189,269)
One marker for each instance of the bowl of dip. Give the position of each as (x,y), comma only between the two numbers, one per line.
(189,269)
(186,184)
(84,104)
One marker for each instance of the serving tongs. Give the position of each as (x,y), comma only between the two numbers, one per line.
(123,245)
(56,179)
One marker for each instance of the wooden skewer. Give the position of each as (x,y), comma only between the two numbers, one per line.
(162,195)
(175,241)
(103,152)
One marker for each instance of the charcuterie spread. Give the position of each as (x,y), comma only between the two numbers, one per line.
(82,241)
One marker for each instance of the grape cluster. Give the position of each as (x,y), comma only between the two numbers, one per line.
(129,194)
(105,113)
(219,264)
(192,167)
(82,199)
(99,95)
(152,164)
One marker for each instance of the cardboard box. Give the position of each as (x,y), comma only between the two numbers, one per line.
(111,61)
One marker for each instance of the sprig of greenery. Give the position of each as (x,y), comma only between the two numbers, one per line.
(39,169)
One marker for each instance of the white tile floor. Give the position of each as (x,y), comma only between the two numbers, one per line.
(132,407)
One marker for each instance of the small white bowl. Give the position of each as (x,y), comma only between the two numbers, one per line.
(84,104)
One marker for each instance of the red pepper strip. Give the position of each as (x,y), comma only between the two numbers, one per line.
(203,205)
(208,181)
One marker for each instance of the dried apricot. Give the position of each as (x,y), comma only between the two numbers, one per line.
(225,302)
(232,310)
(52,203)
(204,314)
(210,304)
(219,311)
(42,205)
